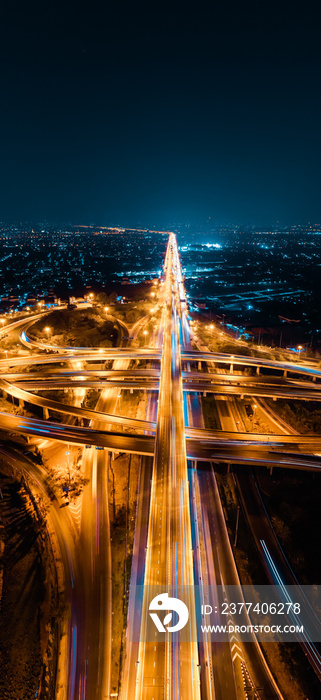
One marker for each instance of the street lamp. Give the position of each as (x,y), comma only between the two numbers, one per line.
(145,334)
(3,320)
(299,349)
(106,309)
(47,329)
(231,365)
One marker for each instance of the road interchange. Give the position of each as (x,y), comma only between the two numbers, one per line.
(163,435)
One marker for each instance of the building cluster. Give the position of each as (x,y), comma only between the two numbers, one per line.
(248,277)
(42,264)
(260,279)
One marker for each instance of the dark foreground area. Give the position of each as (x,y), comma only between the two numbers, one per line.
(27,626)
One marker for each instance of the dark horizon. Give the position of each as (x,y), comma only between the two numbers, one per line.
(203,225)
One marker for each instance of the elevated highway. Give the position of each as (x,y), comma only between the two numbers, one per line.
(165,671)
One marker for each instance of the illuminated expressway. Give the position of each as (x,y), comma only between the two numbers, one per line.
(173,436)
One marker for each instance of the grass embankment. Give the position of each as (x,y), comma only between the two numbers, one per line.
(29,606)
(131,312)
(225,344)
(303,416)
(252,420)
(132,406)
(210,414)
(77,328)
(293,673)
(292,498)
(253,423)
(293,502)
(123,485)
(123,481)
(220,341)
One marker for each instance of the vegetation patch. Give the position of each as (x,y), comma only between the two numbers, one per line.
(123,488)
(303,416)
(210,414)
(29,604)
(292,671)
(293,502)
(77,328)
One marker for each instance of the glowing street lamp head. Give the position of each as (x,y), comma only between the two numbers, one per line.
(47,329)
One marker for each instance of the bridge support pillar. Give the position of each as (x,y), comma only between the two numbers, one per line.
(199,366)
(242,396)
(274,398)
(21,403)
(4,394)
(285,373)
(204,393)
(258,370)
(314,378)
(194,464)
(231,369)
(228,467)
(131,390)
(271,471)
(45,413)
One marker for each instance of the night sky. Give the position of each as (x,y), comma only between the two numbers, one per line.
(116,112)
